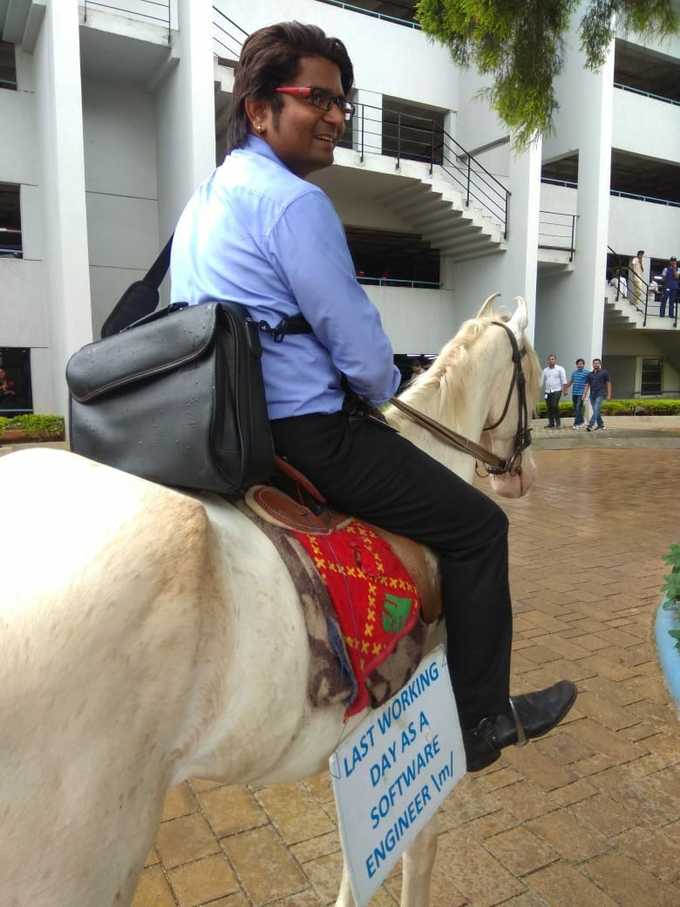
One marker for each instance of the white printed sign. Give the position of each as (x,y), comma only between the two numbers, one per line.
(393,772)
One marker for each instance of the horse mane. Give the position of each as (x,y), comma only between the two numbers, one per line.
(449,375)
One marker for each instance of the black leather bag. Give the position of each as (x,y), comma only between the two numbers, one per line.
(177,398)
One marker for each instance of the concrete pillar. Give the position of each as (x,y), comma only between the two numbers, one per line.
(62,166)
(521,259)
(571,305)
(185,114)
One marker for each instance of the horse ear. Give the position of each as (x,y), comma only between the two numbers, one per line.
(520,318)
(487,306)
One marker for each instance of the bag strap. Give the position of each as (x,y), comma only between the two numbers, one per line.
(294,324)
(154,276)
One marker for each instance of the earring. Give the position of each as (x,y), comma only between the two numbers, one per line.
(260,128)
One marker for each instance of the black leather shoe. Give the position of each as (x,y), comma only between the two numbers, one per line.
(529,716)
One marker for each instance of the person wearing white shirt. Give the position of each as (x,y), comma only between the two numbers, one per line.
(554,385)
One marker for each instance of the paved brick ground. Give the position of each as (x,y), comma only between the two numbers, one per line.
(587,817)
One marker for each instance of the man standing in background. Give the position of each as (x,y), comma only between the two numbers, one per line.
(554,385)
(635,277)
(598,383)
(577,383)
(671,283)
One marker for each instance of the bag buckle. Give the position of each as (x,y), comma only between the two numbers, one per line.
(277,333)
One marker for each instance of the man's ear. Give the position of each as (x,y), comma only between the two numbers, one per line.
(257,112)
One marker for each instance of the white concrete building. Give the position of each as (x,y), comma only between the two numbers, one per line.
(111,112)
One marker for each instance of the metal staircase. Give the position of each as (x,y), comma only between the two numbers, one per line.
(438,212)
(626,311)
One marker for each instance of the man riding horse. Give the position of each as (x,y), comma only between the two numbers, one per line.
(257,232)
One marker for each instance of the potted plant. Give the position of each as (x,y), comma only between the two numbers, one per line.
(668,624)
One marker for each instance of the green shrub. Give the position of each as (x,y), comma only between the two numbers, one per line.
(43,426)
(642,407)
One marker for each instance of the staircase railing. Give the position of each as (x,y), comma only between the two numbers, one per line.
(227,35)
(148,10)
(648,307)
(380,130)
(557,230)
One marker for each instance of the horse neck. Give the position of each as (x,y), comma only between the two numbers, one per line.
(467,417)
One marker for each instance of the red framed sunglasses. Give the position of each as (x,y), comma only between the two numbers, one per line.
(319,98)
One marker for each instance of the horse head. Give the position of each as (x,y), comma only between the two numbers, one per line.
(511,395)
(484,382)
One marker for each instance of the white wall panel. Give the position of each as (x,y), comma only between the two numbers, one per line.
(416,321)
(45,399)
(32,226)
(120,139)
(634,225)
(107,286)
(19,162)
(23,309)
(559,198)
(122,232)
(646,126)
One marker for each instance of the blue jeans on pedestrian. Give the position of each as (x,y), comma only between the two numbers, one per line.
(596,403)
(670,296)
(577,400)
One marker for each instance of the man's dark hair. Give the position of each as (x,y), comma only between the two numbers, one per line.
(580,360)
(270,57)
(640,252)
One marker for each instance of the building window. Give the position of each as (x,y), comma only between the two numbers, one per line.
(16,396)
(652,370)
(10,221)
(414,131)
(8,68)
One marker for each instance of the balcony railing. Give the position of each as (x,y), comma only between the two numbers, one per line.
(647,94)
(557,231)
(393,282)
(155,11)
(376,130)
(228,36)
(645,198)
(409,23)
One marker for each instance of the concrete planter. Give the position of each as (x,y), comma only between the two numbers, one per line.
(669,656)
(21,436)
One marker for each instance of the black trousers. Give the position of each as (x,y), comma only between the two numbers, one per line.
(553,403)
(367,469)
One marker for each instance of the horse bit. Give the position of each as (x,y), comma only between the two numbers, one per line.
(495,465)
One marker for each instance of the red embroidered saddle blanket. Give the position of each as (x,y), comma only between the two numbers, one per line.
(361,606)
(375,599)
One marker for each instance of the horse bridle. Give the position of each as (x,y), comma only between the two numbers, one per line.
(495,465)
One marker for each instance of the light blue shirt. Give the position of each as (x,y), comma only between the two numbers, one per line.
(256,234)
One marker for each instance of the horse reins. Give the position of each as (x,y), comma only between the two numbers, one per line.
(495,465)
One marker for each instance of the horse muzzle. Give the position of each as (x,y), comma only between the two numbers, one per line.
(517,482)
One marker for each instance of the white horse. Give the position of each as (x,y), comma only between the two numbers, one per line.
(150,636)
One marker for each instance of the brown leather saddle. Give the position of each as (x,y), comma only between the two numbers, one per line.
(296,504)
